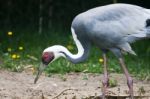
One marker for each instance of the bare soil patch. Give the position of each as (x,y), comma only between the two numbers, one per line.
(70,86)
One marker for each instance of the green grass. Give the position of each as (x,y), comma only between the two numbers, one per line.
(34,44)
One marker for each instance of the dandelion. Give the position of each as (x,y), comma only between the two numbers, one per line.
(70,47)
(18,56)
(9,49)
(101,60)
(33,70)
(10,33)
(20,48)
(13,56)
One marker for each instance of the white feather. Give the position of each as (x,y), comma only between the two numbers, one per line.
(56,49)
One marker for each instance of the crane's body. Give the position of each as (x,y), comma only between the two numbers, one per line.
(112,28)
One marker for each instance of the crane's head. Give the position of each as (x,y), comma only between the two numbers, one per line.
(48,56)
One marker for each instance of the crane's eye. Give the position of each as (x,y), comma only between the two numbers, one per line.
(47,57)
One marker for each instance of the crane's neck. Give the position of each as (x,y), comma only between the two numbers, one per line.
(83,50)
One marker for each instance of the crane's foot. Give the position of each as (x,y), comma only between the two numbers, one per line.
(105,83)
(107,93)
(130,85)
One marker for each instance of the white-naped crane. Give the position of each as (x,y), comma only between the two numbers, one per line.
(112,28)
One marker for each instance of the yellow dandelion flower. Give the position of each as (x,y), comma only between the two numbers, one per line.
(70,47)
(20,48)
(18,56)
(33,70)
(9,49)
(10,33)
(13,56)
(101,60)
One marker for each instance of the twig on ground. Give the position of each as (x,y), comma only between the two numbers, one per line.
(61,93)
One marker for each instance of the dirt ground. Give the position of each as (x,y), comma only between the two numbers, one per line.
(70,86)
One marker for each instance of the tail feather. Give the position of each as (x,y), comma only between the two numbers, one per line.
(132,52)
(148,35)
(145,33)
(127,48)
(148,32)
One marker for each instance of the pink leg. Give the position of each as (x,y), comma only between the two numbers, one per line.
(105,81)
(129,78)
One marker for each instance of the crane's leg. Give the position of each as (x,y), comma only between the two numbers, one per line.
(118,54)
(105,81)
(129,78)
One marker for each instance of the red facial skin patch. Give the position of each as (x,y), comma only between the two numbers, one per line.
(47,57)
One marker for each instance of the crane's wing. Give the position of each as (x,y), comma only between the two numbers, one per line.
(120,19)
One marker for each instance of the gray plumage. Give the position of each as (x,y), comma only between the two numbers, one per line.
(111,27)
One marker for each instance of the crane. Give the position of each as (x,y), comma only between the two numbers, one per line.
(112,28)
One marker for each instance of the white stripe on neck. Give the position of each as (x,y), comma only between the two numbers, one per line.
(79,47)
(58,48)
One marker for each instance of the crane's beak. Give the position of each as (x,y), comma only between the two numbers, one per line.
(39,72)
